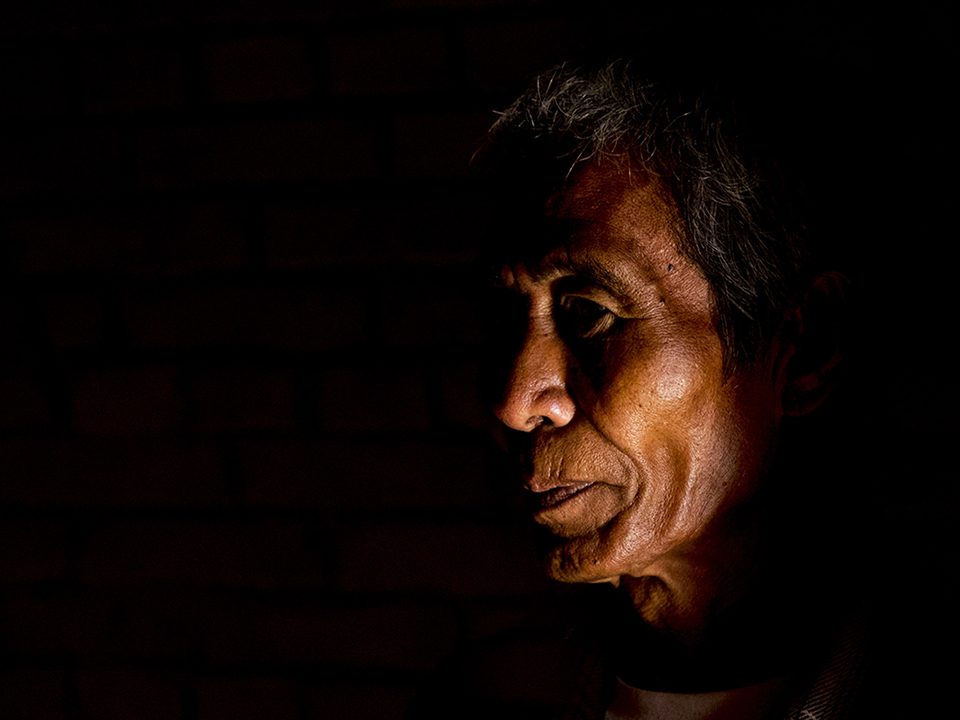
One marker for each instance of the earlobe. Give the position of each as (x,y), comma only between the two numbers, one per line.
(815,334)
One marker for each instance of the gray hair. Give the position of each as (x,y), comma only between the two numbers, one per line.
(735,217)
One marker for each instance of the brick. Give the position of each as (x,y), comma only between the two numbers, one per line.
(373,399)
(127,73)
(61,17)
(388,62)
(23,402)
(290,318)
(319,236)
(920,402)
(243,399)
(247,554)
(33,80)
(360,701)
(44,625)
(46,159)
(247,699)
(458,558)
(32,552)
(60,242)
(74,320)
(103,473)
(255,153)
(362,477)
(438,145)
(438,229)
(14,309)
(462,401)
(507,53)
(260,69)
(353,637)
(440,314)
(197,236)
(258,12)
(64,243)
(165,238)
(28,694)
(142,626)
(427,228)
(484,619)
(445,4)
(127,402)
(123,694)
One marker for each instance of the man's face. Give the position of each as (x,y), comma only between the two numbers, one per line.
(634,444)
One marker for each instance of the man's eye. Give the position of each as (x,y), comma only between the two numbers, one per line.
(584,319)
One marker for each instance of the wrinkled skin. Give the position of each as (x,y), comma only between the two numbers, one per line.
(639,452)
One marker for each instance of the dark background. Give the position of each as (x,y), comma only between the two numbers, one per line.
(243,466)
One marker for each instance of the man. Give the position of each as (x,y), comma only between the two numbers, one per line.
(672,328)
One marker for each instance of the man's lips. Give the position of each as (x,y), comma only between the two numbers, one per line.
(552,497)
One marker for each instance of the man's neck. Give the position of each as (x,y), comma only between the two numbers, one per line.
(725,619)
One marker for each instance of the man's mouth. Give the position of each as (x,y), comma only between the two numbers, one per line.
(554,497)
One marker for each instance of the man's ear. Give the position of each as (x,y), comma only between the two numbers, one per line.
(813,344)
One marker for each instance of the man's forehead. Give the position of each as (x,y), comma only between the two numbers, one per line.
(623,266)
(606,222)
(607,188)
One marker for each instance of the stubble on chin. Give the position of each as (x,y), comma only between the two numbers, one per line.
(594,557)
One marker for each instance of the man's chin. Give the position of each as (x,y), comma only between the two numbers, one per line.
(576,560)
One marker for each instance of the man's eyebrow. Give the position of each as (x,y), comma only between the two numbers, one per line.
(587,266)
(566,244)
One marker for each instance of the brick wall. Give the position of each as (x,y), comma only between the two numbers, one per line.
(244,466)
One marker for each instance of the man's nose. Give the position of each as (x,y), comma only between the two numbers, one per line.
(536,392)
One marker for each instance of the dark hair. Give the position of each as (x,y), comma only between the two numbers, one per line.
(737,209)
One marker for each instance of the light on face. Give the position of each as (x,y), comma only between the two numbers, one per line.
(672,386)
